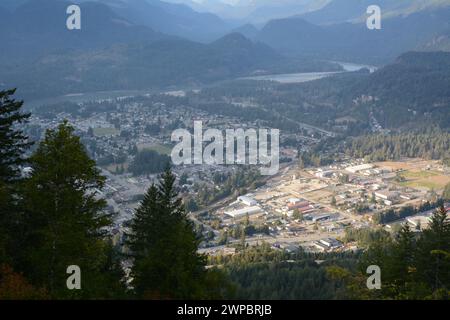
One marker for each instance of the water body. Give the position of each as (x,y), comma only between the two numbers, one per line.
(106,95)
(311,76)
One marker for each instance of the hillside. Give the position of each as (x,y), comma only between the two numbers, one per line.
(38,27)
(414,90)
(173,19)
(354,42)
(148,65)
(339,11)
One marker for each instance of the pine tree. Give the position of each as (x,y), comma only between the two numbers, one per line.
(400,264)
(64,222)
(164,246)
(13,141)
(433,265)
(13,144)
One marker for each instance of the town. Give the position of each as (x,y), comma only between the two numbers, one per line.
(309,208)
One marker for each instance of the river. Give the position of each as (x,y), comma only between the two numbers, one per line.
(311,76)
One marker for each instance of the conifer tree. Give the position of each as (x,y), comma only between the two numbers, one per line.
(64,222)
(164,247)
(433,263)
(13,144)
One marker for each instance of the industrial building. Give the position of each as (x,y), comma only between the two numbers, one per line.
(243,212)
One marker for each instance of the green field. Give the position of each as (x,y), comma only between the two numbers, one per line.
(424,180)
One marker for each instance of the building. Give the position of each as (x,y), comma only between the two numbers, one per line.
(321,217)
(361,167)
(324,174)
(386,195)
(248,201)
(243,212)
(302,206)
(327,244)
(331,243)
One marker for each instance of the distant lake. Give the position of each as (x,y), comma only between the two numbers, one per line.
(310,76)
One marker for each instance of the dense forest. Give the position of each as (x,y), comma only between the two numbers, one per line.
(433,144)
(413,265)
(262,272)
(148,162)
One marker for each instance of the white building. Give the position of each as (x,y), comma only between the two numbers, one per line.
(243,212)
(361,167)
(248,201)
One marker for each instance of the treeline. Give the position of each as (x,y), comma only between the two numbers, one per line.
(434,144)
(148,162)
(53,221)
(414,266)
(265,273)
(392,215)
(236,183)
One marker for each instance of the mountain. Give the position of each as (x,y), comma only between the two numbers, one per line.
(440,42)
(354,41)
(255,12)
(159,64)
(339,11)
(38,27)
(248,31)
(414,89)
(174,19)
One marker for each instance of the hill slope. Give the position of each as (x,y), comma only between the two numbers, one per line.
(413,90)
(354,42)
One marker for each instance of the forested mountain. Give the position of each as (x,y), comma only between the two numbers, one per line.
(338,11)
(170,18)
(155,65)
(38,27)
(354,41)
(414,89)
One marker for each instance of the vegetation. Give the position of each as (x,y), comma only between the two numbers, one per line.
(434,144)
(148,162)
(265,273)
(164,247)
(412,266)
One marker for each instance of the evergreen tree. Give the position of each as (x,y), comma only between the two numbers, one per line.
(399,268)
(13,144)
(164,247)
(433,263)
(64,222)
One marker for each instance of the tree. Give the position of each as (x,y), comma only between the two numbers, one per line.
(433,264)
(398,272)
(13,144)
(164,245)
(64,221)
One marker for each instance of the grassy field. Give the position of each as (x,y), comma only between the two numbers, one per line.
(425,180)
(101,132)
